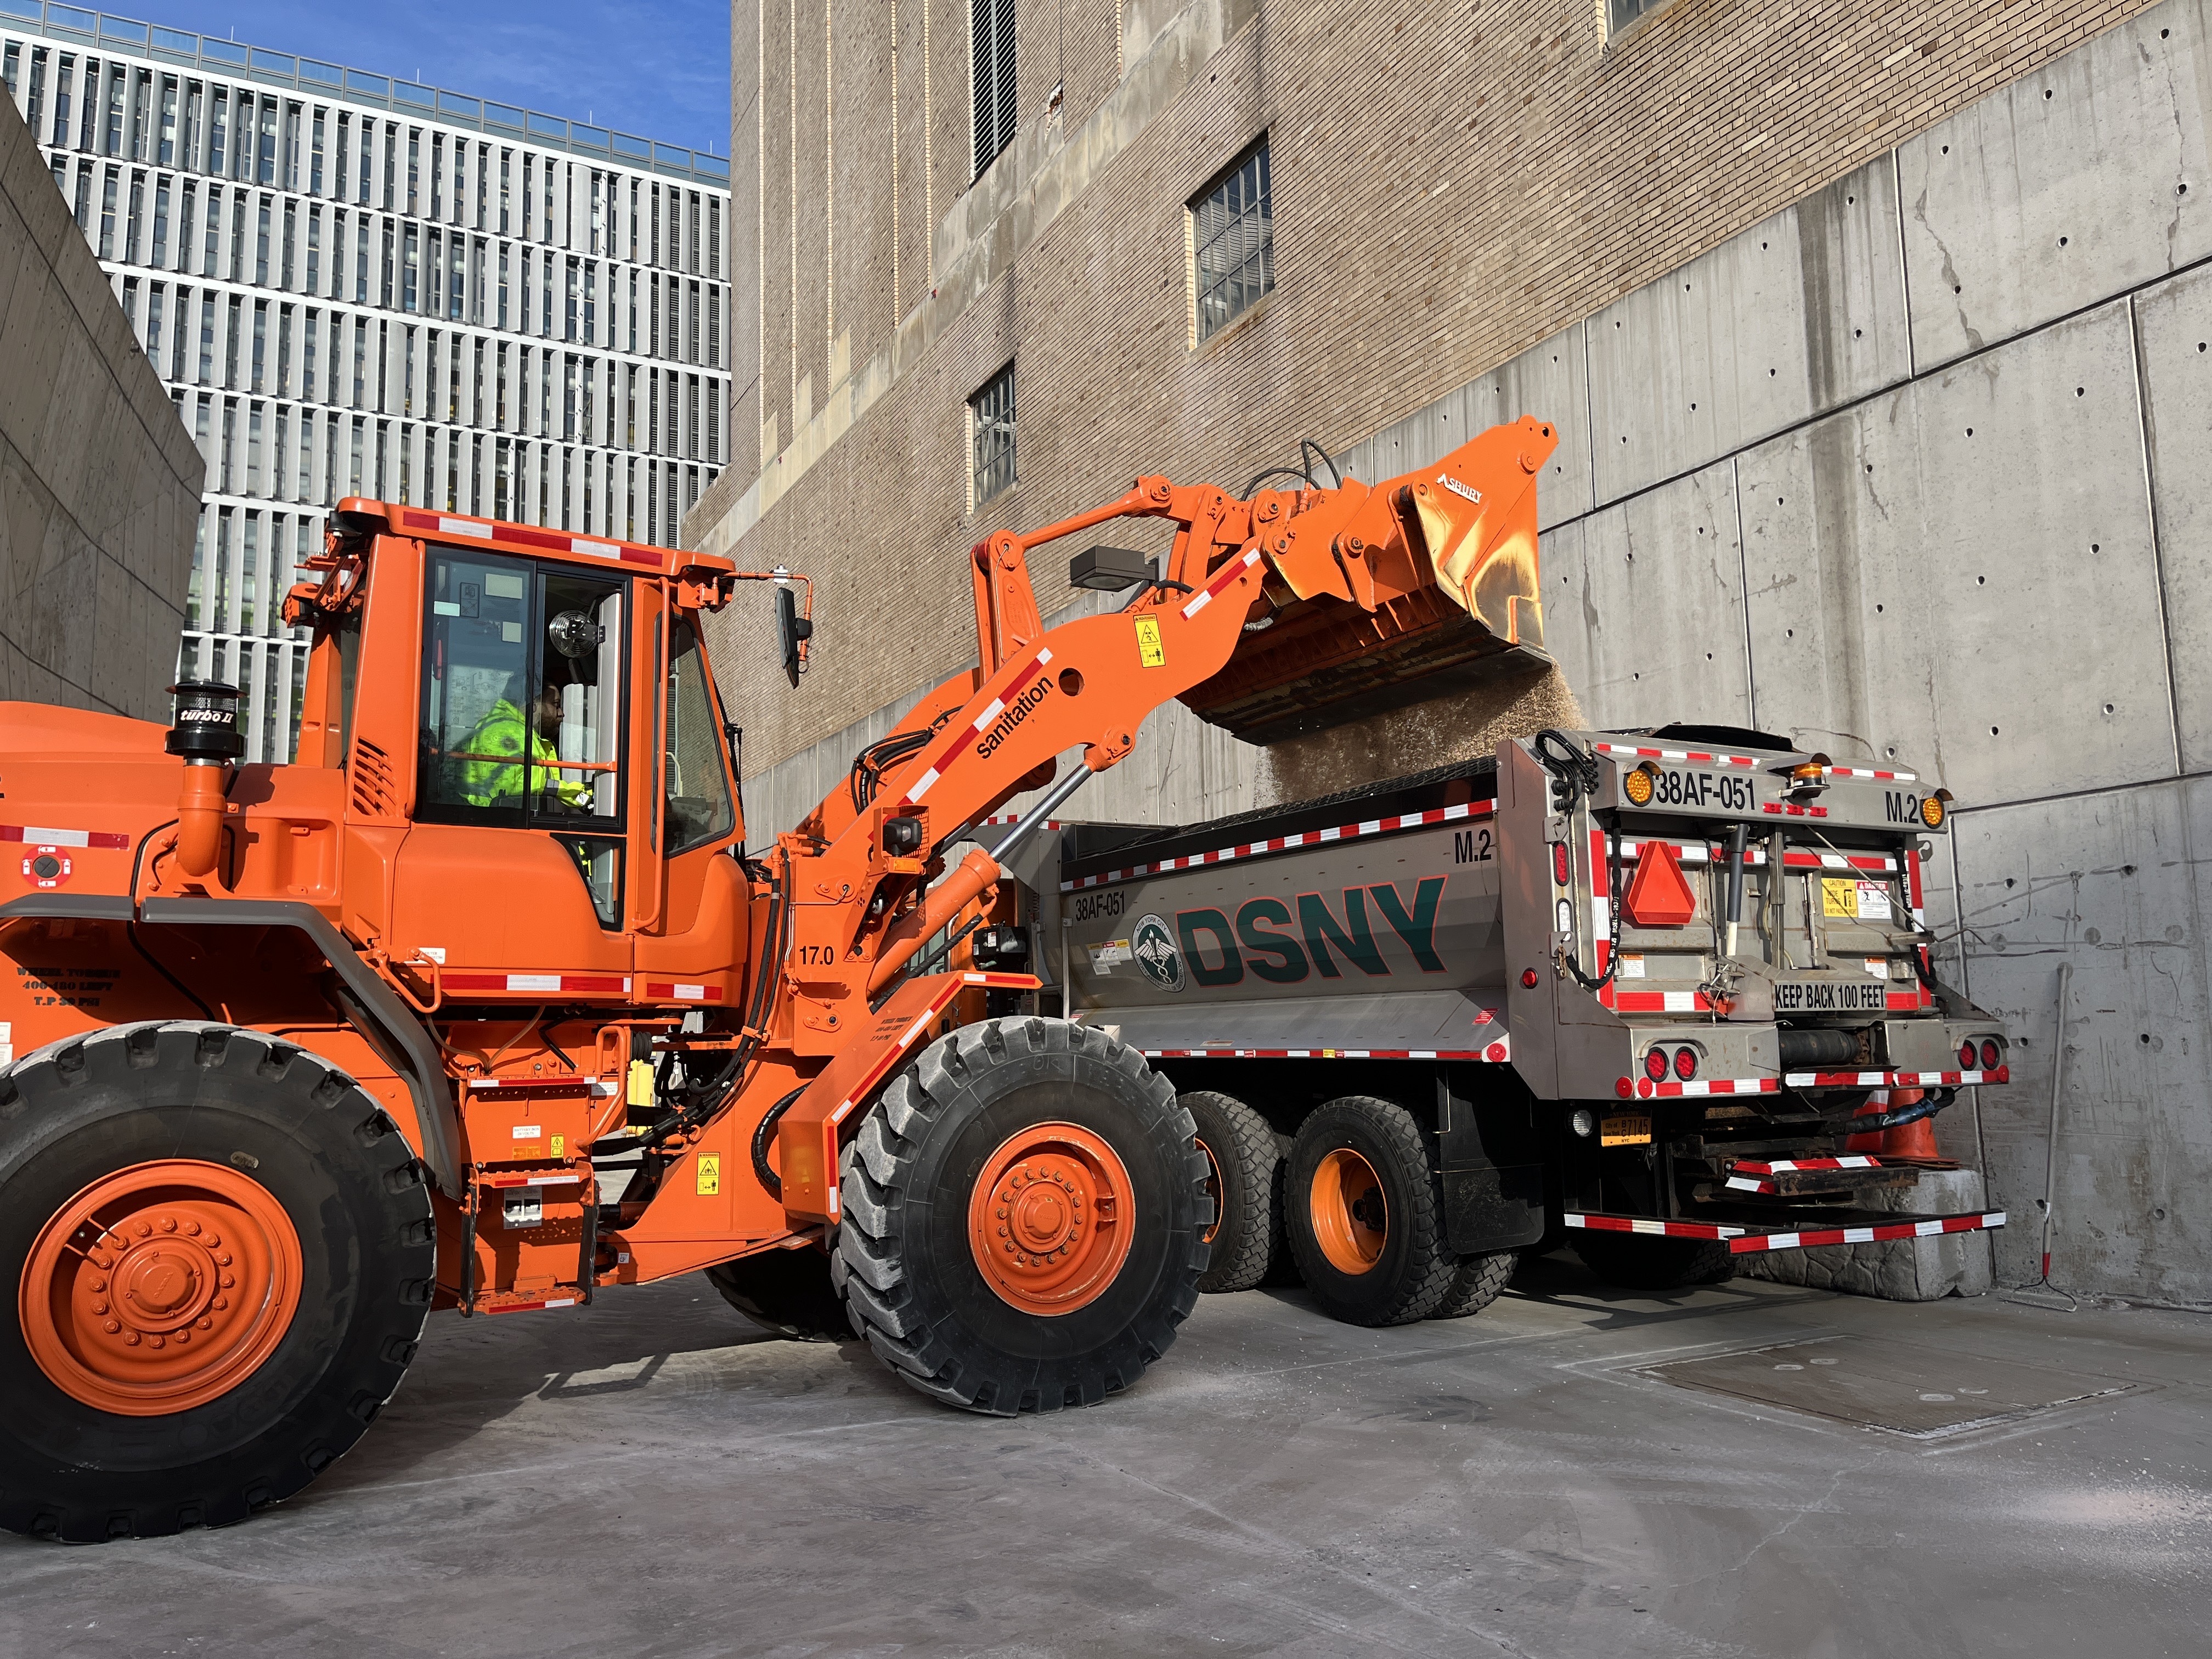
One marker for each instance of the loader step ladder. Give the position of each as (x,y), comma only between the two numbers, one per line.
(1749,1238)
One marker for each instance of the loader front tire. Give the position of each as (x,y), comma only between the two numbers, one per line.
(1022,1218)
(1244,1178)
(218,1253)
(790,1291)
(1365,1221)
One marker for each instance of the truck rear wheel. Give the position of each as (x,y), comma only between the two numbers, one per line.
(222,1252)
(1362,1220)
(1242,1170)
(1022,1217)
(1637,1262)
(1476,1284)
(789,1291)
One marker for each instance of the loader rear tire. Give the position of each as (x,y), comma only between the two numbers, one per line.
(789,1291)
(1243,1174)
(1477,1283)
(1055,1154)
(268,1238)
(1364,1218)
(1637,1262)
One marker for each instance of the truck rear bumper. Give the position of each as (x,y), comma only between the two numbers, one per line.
(1748,1238)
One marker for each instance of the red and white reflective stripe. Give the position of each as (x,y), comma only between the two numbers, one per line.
(1630,851)
(1646,1090)
(1894,1079)
(526,1307)
(1019,682)
(1794,809)
(539,984)
(571,1179)
(1751,1176)
(1810,1238)
(681,993)
(1916,997)
(1497,1051)
(46,837)
(1600,903)
(1013,818)
(1862,771)
(1637,1224)
(1228,573)
(599,1086)
(1477,809)
(464,527)
(1783,1166)
(1001,982)
(1694,757)
(1662,1002)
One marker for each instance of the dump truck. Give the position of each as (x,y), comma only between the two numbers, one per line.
(1666,995)
(484,1003)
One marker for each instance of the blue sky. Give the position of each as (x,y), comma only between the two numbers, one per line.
(657,68)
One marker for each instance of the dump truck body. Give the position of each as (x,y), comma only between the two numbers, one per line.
(1518,935)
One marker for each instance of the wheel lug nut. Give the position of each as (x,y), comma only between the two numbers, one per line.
(154,1342)
(98,1283)
(99,1307)
(111,1327)
(145,1230)
(168,1224)
(230,1279)
(131,1338)
(207,1324)
(192,1227)
(220,1303)
(183,1337)
(223,1260)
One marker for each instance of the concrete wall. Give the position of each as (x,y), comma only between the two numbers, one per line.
(100,482)
(1915,471)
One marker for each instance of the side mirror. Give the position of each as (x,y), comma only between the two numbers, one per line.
(792,631)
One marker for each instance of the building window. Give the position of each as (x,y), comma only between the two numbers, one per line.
(991,437)
(1232,240)
(1620,14)
(991,76)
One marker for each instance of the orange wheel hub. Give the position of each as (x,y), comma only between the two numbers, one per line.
(160,1287)
(1212,1191)
(1051,1218)
(1351,1219)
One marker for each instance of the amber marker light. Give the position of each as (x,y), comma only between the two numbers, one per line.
(1932,809)
(1638,785)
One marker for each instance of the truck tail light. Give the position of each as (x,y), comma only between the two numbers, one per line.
(1654,1064)
(1686,1063)
(1967,1055)
(1989,1055)
(1561,874)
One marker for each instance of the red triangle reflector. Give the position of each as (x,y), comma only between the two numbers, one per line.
(1660,896)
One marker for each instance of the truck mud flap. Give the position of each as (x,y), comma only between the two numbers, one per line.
(1487,1210)
(1749,1238)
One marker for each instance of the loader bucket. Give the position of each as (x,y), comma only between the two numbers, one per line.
(1416,589)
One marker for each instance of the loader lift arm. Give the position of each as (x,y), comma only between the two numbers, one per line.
(1365,564)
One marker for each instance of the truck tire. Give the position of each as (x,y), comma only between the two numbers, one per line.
(244,1197)
(789,1291)
(1023,1209)
(1362,1214)
(1637,1262)
(1476,1284)
(1243,1175)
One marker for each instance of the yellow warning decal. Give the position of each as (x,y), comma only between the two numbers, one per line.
(710,1173)
(1839,898)
(1148,643)
(559,1144)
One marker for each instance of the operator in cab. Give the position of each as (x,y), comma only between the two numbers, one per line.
(489,781)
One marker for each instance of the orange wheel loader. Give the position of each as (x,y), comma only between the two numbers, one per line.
(483,1004)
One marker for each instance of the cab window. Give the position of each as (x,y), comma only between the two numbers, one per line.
(698,809)
(522,705)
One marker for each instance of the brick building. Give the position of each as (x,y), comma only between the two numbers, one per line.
(1874,332)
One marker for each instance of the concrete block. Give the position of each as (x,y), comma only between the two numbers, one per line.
(2114,883)
(1644,605)
(2080,180)
(1959,575)
(1799,314)
(2174,342)
(1902,1270)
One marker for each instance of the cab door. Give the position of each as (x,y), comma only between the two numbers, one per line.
(514,876)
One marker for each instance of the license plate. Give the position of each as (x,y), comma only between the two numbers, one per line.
(1704,792)
(1820,996)
(1625,1131)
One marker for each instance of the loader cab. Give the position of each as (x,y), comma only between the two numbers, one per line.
(538,786)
